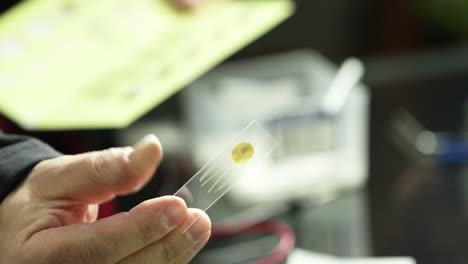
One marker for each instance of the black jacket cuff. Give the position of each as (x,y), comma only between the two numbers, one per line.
(18,155)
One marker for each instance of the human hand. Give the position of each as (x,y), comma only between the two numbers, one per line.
(51,216)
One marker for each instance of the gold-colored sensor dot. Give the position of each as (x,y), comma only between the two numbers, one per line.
(242,153)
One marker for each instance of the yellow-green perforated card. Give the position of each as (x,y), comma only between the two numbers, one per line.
(76,64)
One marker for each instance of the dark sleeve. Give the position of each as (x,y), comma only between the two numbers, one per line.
(18,155)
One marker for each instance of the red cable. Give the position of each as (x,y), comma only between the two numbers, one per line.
(285,234)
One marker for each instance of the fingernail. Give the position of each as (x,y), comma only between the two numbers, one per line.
(173,214)
(148,139)
(139,148)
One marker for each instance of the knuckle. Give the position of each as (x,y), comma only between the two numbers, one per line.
(97,167)
(147,232)
(110,166)
(173,249)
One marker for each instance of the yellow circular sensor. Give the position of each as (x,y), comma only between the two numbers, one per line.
(243,152)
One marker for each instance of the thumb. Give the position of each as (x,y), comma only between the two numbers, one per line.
(98,176)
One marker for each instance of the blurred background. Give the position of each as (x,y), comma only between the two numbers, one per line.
(383,175)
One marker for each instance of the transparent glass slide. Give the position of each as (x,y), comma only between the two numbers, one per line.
(218,176)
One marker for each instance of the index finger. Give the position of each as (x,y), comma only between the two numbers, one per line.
(114,238)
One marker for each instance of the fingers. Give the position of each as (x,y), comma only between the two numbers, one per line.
(178,246)
(112,239)
(98,176)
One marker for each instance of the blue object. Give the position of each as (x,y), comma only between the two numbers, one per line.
(454,151)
